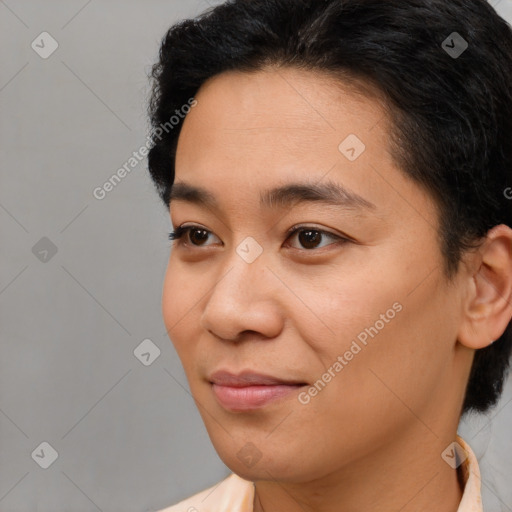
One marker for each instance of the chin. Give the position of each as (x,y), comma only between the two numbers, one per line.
(265,462)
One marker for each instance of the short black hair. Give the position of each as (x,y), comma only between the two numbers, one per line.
(450,105)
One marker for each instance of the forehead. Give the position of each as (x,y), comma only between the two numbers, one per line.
(250,132)
(275,120)
(303,104)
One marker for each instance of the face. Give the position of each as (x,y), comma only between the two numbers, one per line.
(349,318)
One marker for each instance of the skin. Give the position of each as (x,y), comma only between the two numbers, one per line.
(372,438)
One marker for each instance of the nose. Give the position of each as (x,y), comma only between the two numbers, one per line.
(244,300)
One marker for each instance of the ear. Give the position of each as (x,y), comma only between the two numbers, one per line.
(487,308)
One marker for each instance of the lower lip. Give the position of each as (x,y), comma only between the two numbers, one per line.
(250,397)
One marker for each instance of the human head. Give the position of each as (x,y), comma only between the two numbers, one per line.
(452,117)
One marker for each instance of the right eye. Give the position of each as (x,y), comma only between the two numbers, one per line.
(192,232)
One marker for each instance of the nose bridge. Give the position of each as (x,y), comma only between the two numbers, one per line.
(245,271)
(242,297)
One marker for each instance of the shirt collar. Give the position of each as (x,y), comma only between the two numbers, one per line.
(469,472)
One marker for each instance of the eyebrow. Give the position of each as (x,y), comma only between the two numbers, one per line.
(327,192)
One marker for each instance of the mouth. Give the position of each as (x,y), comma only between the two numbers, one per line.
(250,390)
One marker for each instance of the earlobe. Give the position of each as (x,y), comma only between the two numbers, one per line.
(488,308)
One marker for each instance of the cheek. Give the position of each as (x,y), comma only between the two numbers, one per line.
(179,296)
(395,344)
(382,323)
(338,307)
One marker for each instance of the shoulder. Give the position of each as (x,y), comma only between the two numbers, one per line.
(233,494)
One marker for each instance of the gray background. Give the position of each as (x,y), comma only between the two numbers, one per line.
(128,435)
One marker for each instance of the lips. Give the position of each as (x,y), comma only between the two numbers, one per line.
(248,378)
(249,390)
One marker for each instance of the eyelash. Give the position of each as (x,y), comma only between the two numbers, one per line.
(178,233)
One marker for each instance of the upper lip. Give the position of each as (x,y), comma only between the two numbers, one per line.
(248,378)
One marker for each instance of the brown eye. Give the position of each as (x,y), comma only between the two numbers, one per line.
(309,238)
(195,235)
(198,236)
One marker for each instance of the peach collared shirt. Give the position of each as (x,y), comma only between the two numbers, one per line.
(235,494)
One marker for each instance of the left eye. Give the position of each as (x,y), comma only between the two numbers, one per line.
(309,237)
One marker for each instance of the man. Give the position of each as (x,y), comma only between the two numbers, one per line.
(339,289)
